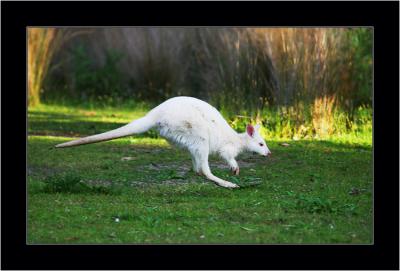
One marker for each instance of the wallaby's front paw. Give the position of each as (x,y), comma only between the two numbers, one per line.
(235,171)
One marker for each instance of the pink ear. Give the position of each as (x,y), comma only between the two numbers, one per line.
(250,130)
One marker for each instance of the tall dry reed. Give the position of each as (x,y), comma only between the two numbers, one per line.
(40,49)
(323,115)
(43,43)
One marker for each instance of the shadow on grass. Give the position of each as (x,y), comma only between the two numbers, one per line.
(71,183)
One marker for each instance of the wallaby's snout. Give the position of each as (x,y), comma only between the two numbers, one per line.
(268,153)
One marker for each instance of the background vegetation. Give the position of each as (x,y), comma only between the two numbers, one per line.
(311,88)
(317,80)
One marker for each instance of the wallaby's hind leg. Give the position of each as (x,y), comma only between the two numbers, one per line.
(202,156)
(207,172)
(196,165)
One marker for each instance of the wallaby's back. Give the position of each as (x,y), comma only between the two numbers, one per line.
(187,117)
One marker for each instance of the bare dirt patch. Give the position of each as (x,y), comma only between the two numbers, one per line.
(150,182)
(34,171)
(180,168)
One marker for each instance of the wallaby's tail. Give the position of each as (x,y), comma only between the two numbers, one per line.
(135,127)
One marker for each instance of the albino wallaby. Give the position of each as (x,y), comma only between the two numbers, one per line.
(196,126)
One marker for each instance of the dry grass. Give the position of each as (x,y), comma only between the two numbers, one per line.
(43,43)
(323,115)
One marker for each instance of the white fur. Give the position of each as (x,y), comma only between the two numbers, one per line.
(194,125)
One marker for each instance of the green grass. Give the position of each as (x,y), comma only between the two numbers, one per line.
(141,190)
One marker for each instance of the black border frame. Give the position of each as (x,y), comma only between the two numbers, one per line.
(383,16)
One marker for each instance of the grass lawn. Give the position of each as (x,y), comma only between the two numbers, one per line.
(141,190)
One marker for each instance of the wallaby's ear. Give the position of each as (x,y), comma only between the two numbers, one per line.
(250,130)
(257,127)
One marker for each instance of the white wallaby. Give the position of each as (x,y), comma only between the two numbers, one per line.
(195,125)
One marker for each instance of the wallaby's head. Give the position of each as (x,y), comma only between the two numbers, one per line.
(254,141)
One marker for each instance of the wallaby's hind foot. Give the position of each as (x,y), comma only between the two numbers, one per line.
(227,184)
(207,173)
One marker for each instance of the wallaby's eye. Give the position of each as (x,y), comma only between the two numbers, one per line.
(261,144)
